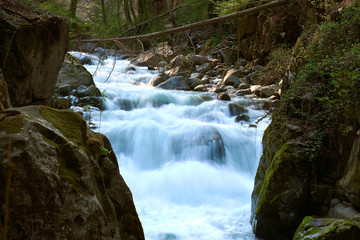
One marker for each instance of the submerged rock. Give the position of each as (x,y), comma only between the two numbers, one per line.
(66,182)
(223,96)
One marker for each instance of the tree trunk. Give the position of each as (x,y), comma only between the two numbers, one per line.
(127,11)
(73,6)
(171,13)
(103,11)
(132,11)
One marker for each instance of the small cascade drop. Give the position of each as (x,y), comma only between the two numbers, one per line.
(188,163)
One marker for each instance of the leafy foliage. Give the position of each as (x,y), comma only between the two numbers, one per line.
(278,60)
(225,7)
(328,81)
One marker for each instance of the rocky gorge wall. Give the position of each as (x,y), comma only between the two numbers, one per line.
(308,174)
(58,179)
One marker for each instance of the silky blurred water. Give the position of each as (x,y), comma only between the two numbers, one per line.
(189,165)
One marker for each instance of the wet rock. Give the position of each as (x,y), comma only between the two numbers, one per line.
(216,61)
(243,92)
(63,185)
(74,75)
(205,80)
(62,103)
(82,91)
(342,210)
(94,91)
(197,59)
(86,60)
(235,72)
(206,139)
(194,82)
(223,96)
(244,86)
(219,90)
(180,61)
(130,68)
(313,228)
(178,71)
(262,91)
(253,78)
(200,88)
(64,90)
(211,73)
(197,75)
(204,67)
(90,101)
(139,63)
(175,83)
(236,109)
(125,104)
(155,81)
(151,68)
(162,64)
(242,118)
(281,191)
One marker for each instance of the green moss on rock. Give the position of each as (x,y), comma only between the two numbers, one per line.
(265,195)
(327,228)
(71,124)
(11,124)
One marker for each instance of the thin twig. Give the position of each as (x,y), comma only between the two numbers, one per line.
(113,67)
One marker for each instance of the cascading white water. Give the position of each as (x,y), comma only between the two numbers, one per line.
(189,165)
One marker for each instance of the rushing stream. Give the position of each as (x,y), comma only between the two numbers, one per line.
(189,165)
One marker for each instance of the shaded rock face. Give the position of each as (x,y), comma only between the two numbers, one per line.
(349,184)
(4,94)
(66,183)
(33,49)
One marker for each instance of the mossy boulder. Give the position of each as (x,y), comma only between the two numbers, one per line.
(281,192)
(66,182)
(33,48)
(313,228)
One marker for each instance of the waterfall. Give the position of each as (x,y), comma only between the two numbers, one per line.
(189,165)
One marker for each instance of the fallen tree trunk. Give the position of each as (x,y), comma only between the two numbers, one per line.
(190,26)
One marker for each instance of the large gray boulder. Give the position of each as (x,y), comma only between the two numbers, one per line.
(73,74)
(32,51)
(175,83)
(65,179)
